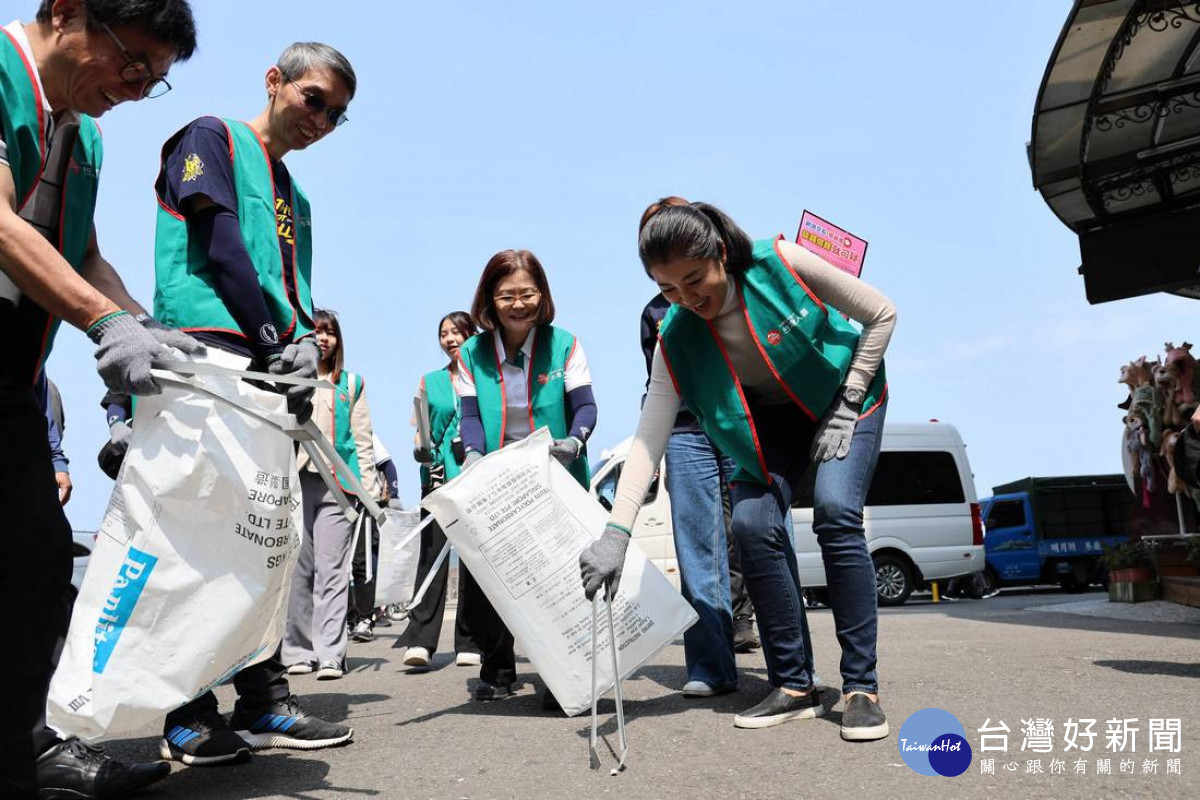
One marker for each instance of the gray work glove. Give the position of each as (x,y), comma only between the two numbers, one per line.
(118,436)
(472,457)
(423,455)
(566,450)
(126,351)
(299,361)
(601,562)
(836,430)
(395,505)
(171,337)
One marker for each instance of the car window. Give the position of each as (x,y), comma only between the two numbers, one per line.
(606,489)
(902,478)
(1006,514)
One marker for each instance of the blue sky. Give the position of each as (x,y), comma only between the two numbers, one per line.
(549,126)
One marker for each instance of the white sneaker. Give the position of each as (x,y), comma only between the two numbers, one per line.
(329,670)
(302,668)
(468,660)
(702,689)
(416,657)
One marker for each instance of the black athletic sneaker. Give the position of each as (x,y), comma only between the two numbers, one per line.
(745,638)
(284,724)
(74,769)
(779,707)
(203,741)
(863,719)
(493,691)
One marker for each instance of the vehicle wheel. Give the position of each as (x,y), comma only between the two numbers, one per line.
(1071,584)
(893,580)
(989,584)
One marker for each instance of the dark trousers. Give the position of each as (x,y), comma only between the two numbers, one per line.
(492,636)
(362,592)
(257,685)
(425,621)
(35,573)
(743,608)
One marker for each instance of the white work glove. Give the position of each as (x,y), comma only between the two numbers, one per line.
(601,562)
(472,457)
(836,430)
(299,361)
(126,351)
(566,450)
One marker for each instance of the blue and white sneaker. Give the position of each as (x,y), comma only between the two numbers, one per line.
(204,741)
(284,724)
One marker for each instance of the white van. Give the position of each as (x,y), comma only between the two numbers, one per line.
(922,516)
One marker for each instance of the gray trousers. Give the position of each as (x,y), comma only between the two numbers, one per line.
(316,624)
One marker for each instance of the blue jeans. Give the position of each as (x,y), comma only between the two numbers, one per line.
(760,528)
(696,473)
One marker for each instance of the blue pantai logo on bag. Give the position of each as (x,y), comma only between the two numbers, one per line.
(118,608)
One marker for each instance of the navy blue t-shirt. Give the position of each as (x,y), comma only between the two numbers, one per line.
(200,165)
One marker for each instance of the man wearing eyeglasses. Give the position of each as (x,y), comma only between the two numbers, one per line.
(233,260)
(77,60)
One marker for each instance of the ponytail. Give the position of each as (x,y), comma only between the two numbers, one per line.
(673,228)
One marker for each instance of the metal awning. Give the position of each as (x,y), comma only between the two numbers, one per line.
(1115,150)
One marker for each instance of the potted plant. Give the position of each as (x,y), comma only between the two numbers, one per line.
(1128,562)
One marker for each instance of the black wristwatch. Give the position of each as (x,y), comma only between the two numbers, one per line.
(854,396)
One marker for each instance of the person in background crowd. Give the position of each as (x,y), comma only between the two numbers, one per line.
(229,216)
(363,617)
(781,383)
(77,60)
(51,403)
(439,459)
(710,576)
(520,374)
(316,635)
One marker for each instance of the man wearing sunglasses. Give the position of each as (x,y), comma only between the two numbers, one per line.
(233,266)
(77,60)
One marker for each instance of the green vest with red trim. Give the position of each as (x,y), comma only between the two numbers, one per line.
(552,347)
(443,421)
(184,292)
(22,124)
(807,344)
(345,394)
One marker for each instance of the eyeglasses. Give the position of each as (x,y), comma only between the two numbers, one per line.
(509,300)
(313,102)
(137,70)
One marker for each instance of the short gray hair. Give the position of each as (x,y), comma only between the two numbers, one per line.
(300,57)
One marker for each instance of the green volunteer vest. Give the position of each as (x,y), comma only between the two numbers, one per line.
(184,294)
(443,421)
(348,389)
(547,388)
(807,345)
(23,124)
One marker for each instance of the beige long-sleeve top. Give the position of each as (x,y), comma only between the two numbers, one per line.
(360,423)
(844,292)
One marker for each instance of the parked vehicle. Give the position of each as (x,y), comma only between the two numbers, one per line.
(1054,530)
(922,520)
(84,542)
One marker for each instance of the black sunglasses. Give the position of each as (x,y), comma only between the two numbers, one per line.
(336,116)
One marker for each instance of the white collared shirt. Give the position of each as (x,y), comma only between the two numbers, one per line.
(516,384)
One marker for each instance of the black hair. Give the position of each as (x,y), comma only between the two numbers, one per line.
(166,21)
(461,320)
(694,230)
(326,320)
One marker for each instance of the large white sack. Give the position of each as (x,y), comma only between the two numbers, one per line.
(189,580)
(519,520)
(399,550)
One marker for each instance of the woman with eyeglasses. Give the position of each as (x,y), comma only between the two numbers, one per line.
(755,344)
(519,374)
(439,459)
(316,636)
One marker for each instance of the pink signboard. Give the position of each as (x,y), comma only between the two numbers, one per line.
(840,248)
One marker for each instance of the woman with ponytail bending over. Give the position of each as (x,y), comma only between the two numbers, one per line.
(757,346)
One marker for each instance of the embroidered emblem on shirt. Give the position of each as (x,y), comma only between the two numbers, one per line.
(193,168)
(268,335)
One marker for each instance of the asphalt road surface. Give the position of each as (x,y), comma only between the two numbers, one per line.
(1008,658)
